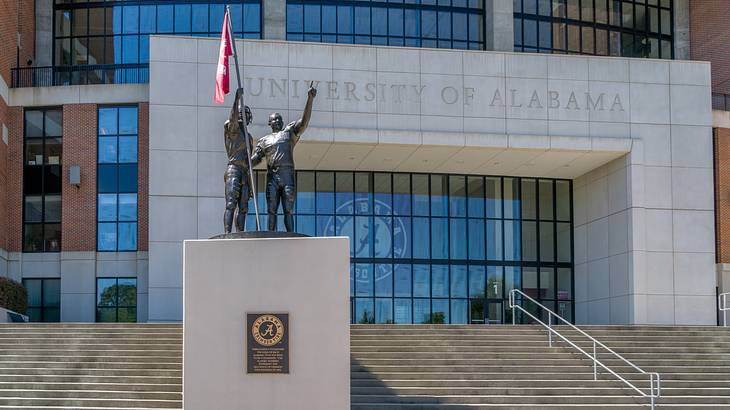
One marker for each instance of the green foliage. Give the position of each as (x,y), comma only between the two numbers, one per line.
(438,318)
(366,318)
(13,296)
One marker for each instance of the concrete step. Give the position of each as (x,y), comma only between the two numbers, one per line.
(586,374)
(4,365)
(177,388)
(16,378)
(91,394)
(556,382)
(562,406)
(453,366)
(553,354)
(533,391)
(92,402)
(87,366)
(95,358)
(91,352)
(147,372)
(533,399)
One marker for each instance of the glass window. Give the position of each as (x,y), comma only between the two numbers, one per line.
(421,281)
(643,26)
(117,179)
(431,24)
(44,299)
(116,300)
(455,268)
(458,287)
(118,32)
(43,150)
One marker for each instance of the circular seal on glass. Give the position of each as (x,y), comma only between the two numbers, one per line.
(267,330)
(382,235)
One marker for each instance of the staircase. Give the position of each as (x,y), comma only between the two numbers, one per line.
(428,367)
(90,366)
(424,367)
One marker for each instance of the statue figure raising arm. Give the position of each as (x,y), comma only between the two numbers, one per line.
(278,149)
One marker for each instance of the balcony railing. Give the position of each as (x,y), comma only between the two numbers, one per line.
(80,75)
(721,102)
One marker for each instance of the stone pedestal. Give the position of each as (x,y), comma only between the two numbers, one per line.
(228,278)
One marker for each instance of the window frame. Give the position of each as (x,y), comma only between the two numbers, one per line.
(590,22)
(111,37)
(369,264)
(116,165)
(43,308)
(43,137)
(116,306)
(402,39)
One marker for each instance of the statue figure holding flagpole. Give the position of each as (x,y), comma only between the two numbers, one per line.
(239,180)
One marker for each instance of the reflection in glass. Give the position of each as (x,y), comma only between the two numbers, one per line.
(440,311)
(511,198)
(439,281)
(457,238)
(402,280)
(421,238)
(457,196)
(547,242)
(421,281)
(364,279)
(562,190)
(403,311)
(494,282)
(421,311)
(476,282)
(547,283)
(529,282)
(458,281)
(529,241)
(383,279)
(475,203)
(364,313)
(565,282)
(546,200)
(383,310)
(529,199)
(439,238)
(459,311)
(420,195)
(512,242)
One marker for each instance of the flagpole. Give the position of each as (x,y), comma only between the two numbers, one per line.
(245,128)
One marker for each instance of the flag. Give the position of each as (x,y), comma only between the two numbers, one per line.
(222,77)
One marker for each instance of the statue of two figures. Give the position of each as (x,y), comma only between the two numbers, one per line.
(277,148)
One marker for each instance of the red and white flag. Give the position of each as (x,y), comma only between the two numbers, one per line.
(222,77)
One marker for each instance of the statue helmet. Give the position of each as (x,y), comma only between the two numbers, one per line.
(275,117)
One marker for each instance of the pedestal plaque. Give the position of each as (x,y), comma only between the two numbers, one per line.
(267,343)
(295,292)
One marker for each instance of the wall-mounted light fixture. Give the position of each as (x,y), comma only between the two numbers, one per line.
(74,175)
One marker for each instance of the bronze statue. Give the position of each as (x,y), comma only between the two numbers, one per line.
(237,178)
(278,148)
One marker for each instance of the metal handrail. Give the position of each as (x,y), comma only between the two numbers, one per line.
(654,392)
(723,306)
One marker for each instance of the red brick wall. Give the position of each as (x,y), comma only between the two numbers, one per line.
(722,193)
(143,176)
(710,39)
(15,180)
(3,180)
(16,16)
(78,220)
